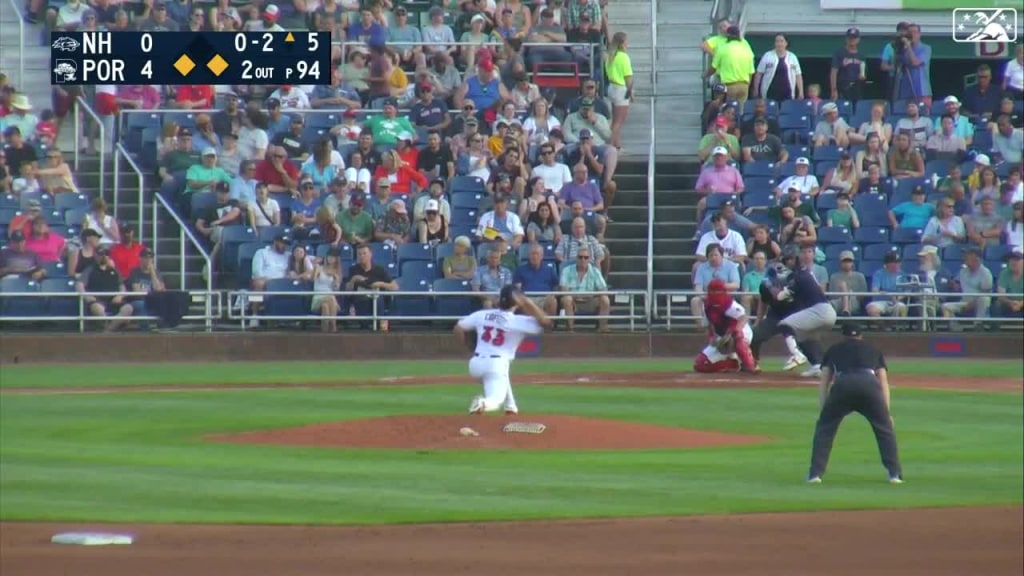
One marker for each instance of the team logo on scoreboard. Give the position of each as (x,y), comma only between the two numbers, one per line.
(984,25)
(65,44)
(65,71)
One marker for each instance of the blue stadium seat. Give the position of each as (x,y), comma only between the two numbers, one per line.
(464,229)
(758,183)
(759,169)
(798,150)
(871,235)
(200,202)
(74,216)
(910,252)
(454,305)
(55,270)
(467,184)
(244,264)
(1003,170)
(9,202)
(143,120)
(868,268)
(383,254)
(796,122)
(832,251)
(845,108)
(466,200)
(858,118)
(870,202)
(231,239)
(906,235)
(982,141)
(55,217)
(907,185)
(463,217)
(834,235)
(412,305)
(327,121)
(759,197)
(71,201)
(11,305)
(412,252)
(828,153)
(935,198)
(873,217)
(796,107)
(715,201)
(952,253)
(939,167)
(287,305)
(826,202)
(771,107)
(900,107)
(344,249)
(995,266)
(7,214)
(57,305)
(822,167)
(899,197)
(442,251)
(183,119)
(60,230)
(998,252)
(417,270)
(266,234)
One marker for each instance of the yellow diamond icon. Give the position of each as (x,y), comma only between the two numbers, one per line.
(184,65)
(217,65)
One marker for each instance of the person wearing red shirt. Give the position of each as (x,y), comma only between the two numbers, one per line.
(23,222)
(196,97)
(409,154)
(126,254)
(277,172)
(401,175)
(49,247)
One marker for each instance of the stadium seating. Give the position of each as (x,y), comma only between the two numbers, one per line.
(906,235)
(878,251)
(415,252)
(834,235)
(285,304)
(11,305)
(419,270)
(871,235)
(61,306)
(412,305)
(383,253)
(454,305)
(231,239)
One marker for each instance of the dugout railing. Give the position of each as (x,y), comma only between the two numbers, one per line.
(34,304)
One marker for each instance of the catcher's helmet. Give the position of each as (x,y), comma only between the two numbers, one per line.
(507,297)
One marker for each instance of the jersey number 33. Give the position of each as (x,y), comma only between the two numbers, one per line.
(493,336)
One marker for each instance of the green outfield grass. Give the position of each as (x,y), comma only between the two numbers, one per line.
(186,374)
(138,457)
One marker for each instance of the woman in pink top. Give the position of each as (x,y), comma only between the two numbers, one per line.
(43,243)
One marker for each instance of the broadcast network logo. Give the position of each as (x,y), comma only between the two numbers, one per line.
(985,25)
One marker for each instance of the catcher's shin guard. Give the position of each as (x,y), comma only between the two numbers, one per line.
(742,349)
(705,366)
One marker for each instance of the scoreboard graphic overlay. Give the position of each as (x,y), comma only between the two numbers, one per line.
(169,58)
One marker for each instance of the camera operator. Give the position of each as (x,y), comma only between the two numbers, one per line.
(908,60)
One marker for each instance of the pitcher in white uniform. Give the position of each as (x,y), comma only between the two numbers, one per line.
(499,331)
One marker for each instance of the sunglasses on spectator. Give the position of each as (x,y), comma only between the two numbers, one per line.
(308,185)
(546,152)
(583,257)
(469,108)
(477,140)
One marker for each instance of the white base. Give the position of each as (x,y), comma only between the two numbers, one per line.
(91,539)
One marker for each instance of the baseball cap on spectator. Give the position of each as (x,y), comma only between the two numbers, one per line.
(1016,253)
(585,134)
(477,18)
(391,102)
(436,11)
(803,161)
(146,253)
(184,133)
(464,241)
(829,107)
(918,190)
(718,89)
(273,103)
(383,183)
(587,103)
(405,136)
(350,113)
(222,187)
(472,121)
(439,181)
(891,257)
(46,129)
(282,237)
(951,100)
(719,150)
(433,205)
(846,255)
(982,159)
(159,5)
(17,236)
(758,120)
(398,206)
(426,87)
(487,65)
(733,31)
(928,250)
(401,11)
(721,122)
(209,151)
(33,204)
(556,133)
(851,329)
(852,33)
(297,119)
(340,181)
(547,13)
(271,12)
(357,199)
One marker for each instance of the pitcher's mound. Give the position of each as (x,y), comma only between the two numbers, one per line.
(442,433)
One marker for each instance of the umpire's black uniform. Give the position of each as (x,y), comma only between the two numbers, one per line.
(852,367)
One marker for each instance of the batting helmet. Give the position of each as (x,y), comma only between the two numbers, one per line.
(507,297)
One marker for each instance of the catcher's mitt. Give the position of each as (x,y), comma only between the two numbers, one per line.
(724,343)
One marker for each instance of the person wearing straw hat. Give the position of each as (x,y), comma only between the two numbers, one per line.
(21,116)
(854,378)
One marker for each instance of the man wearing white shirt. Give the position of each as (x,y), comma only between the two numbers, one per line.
(269,263)
(731,242)
(243,186)
(291,98)
(500,222)
(803,180)
(555,174)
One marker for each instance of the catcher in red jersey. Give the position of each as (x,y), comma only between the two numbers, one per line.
(729,335)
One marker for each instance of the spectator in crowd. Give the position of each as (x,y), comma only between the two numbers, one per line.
(500,222)
(436,193)
(779,76)
(841,178)
(587,120)
(143,278)
(962,125)
(914,213)
(911,64)
(1015,226)
(577,238)
(710,44)
(291,99)
(327,278)
(884,282)
(433,229)
(733,62)
(1010,287)
(442,74)
(475,159)
(981,101)
(85,257)
(542,225)
(300,264)
(523,92)
(975,279)
(733,219)
(1013,187)
(435,160)
(1007,141)
(946,228)
(760,241)
(583,277)
(356,224)
(795,227)
(229,157)
(438,37)
(873,183)
(5,175)
(556,174)
(535,277)
(280,174)
(715,266)
(588,91)
(586,192)
(126,253)
(931,279)
(953,176)
(303,209)
(962,206)
(802,180)
(324,165)
(985,227)
(326,230)
(916,127)
(981,162)
(380,201)
(806,260)
(831,130)
(904,160)
(718,178)
(540,123)
(849,69)
(619,72)
(193,97)
(718,137)
(945,144)
(292,140)
(17,151)
(484,89)
(42,242)
(1013,74)
(370,157)
(263,210)
(23,222)
(401,175)
(226,212)
(511,170)
(751,283)
(461,265)
(848,282)
(338,95)
(394,226)
(106,225)
(429,112)
(547,32)
(760,146)
(228,120)
(985,186)
(871,155)
(269,263)
(386,127)
(337,197)
(26,183)
(876,124)
(205,175)
(204,137)
(253,140)
(1007,106)
(600,160)
(843,215)
(103,279)
(17,260)
(491,278)
(730,242)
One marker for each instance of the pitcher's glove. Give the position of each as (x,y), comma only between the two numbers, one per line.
(724,343)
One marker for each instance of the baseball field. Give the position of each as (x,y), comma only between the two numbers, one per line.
(360,468)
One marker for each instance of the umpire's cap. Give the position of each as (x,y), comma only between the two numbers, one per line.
(507,297)
(851,330)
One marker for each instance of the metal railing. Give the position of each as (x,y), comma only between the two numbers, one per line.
(345,46)
(83,315)
(924,307)
(120,152)
(183,233)
(84,107)
(21,43)
(634,300)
